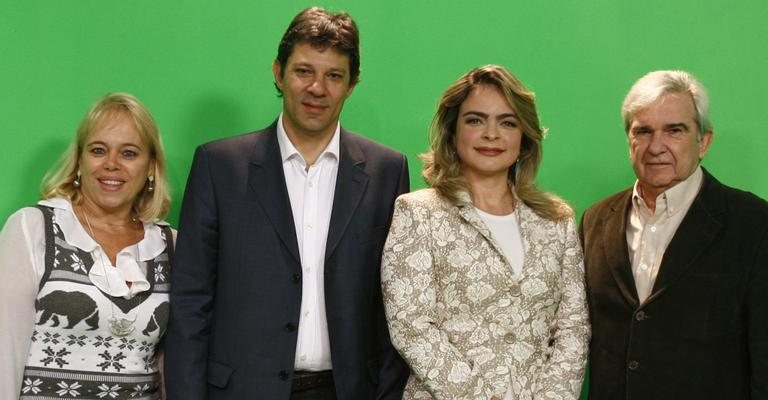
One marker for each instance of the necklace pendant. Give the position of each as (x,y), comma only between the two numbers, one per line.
(121,326)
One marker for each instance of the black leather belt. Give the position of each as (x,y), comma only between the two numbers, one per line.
(303,380)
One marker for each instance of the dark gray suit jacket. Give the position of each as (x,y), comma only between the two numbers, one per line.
(236,289)
(703,331)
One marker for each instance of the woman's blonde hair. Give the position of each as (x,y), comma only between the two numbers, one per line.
(442,167)
(59,181)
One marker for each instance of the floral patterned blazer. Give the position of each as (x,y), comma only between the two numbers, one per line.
(466,326)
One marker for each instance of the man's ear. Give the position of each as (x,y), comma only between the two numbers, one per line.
(704,143)
(349,91)
(277,71)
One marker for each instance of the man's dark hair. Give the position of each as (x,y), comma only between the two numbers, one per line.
(322,29)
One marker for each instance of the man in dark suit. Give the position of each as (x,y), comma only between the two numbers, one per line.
(276,287)
(677,266)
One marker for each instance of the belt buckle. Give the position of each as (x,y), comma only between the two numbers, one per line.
(304,380)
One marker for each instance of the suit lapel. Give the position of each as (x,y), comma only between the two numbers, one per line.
(267,183)
(468,213)
(695,234)
(350,186)
(614,237)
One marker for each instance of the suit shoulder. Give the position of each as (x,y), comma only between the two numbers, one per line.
(609,203)
(428,198)
(238,143)
(373,148)
(744,202)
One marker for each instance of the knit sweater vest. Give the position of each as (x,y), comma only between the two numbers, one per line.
(73,354)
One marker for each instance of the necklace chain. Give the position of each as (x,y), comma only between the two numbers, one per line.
(118,326)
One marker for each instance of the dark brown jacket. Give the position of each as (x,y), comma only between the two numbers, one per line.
(703,331)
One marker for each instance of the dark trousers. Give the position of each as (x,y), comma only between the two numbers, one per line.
(324,393)
(306,386)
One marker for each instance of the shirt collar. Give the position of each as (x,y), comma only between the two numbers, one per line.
(674,199)
(127,269)
(288,150)
(75,234)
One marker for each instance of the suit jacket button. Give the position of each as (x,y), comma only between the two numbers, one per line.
(296,278)
(289,327)
(633,365)
(509,338)
(283,375)
(640,315)
(514,290)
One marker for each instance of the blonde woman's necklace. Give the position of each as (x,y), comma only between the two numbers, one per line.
(118,326)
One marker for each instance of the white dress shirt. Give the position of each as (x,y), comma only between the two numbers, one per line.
(311,191)
(649,233)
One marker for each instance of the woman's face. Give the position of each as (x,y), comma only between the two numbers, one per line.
(488,134)
(115,163)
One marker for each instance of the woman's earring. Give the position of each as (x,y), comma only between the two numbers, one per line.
(515,170)
(150,184)
(76,182)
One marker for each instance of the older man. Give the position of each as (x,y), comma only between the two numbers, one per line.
(677,265)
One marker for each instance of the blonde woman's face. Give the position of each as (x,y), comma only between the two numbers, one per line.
(115,164)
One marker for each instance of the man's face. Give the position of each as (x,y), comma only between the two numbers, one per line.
(315,84)
(664,143)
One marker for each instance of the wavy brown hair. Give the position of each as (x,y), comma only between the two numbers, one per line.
(442,167)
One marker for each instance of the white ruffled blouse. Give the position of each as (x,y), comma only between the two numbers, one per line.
(131,266)
(22,264)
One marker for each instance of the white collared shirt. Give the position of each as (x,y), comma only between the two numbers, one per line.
(311,193)
(649,233)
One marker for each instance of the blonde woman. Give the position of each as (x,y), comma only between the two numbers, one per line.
(84,275)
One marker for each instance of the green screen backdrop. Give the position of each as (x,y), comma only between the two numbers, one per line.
(203,68)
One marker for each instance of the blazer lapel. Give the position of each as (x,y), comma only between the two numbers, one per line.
(614,237)
(529,222)
(267,182)
(467,212)
(695,234)
(350,186)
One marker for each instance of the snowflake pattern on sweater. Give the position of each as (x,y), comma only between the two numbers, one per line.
(73,354)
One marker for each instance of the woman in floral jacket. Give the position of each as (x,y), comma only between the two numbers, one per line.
(482,273)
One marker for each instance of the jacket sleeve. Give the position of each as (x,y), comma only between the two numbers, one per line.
(757,321)
(563,373)
(410,300)
(393,372)
(193,280)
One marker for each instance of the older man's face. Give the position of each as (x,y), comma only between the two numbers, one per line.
(664,143)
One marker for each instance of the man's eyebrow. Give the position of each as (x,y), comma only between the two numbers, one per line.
(682,125)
